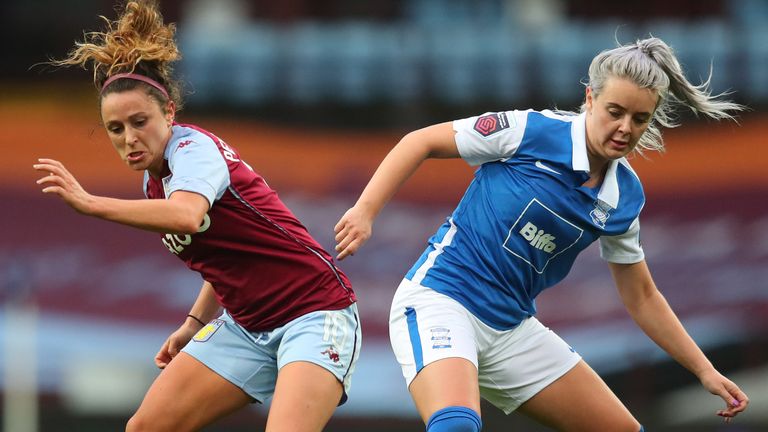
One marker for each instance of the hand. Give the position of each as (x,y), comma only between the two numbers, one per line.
(62,183)
(352,231)
(175,342)
(735,400)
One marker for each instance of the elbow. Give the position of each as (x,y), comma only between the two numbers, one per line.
(186,216)
(420,144)
(648,295)
(188,225)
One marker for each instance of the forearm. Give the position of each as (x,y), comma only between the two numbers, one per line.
(436,141)
(656,318)
(355,226)
(158,215)
(399,165)
(206,306)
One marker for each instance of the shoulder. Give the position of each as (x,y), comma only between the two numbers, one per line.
(491,123)
(549,134)
(190,139)
(552,118)
(547,123)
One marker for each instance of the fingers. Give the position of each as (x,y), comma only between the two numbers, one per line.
(163,358)
(56,187)
(736,401)
(173,348)
(343,239)
(161,361)
(167,352)
(352,231)
(56,173)
(50,165)
(339,227)
(345,252)
(51,162)
(348,243)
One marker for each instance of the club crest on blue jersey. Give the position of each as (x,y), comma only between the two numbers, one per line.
(491,123)
(600,213)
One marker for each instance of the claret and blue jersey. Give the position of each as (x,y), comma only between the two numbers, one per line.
(526,216)
(265,268)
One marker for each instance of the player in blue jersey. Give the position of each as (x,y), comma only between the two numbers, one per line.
(462,322)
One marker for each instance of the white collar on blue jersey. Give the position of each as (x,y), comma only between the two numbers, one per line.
(609,190)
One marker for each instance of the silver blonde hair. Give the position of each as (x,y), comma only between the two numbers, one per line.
(651,63)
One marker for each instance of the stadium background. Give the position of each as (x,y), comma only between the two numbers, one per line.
(313,94)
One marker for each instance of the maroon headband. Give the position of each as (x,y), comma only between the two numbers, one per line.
(136,77)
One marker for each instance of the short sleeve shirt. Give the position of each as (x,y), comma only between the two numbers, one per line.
(264,266)
(526,216)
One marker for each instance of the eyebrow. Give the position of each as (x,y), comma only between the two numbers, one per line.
(130,117)
(615,105)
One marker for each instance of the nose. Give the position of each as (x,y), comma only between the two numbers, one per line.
(130,136)
(625,126)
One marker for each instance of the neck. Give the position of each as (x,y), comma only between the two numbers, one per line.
(597,168)
(597,164)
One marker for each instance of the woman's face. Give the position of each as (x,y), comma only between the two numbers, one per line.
(138,128)
(617,118)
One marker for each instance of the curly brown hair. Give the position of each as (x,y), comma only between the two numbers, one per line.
(138,41)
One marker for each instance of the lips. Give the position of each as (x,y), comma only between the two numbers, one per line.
(619,145)
(135,156)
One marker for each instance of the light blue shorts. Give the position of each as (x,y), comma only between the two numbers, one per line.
(251,360)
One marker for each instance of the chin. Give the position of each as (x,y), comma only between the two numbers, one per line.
(135,167)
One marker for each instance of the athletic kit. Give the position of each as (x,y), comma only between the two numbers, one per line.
(271,277)
(517,231)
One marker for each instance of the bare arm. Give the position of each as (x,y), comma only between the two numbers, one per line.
(354,228)
(655,317)
(182,213)
(206,307)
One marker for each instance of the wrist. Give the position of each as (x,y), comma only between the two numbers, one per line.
(367,209)
(194,319)
(703,370)
(92,206)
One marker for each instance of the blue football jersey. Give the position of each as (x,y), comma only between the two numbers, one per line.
(526,216)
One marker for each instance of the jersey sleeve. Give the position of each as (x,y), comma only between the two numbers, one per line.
(623,248)
(490,137)
(198,166)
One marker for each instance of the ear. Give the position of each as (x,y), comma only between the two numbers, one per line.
(589,99)
(170,112)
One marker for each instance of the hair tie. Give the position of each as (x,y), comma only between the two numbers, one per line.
(136,77)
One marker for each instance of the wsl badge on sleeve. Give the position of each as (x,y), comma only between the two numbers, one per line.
(491,123)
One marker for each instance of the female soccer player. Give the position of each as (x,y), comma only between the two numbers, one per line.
(290,327)
(462,321)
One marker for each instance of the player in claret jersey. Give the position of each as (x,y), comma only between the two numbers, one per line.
(290,328)
(462,321)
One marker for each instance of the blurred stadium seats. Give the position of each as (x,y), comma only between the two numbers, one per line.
(313,94)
